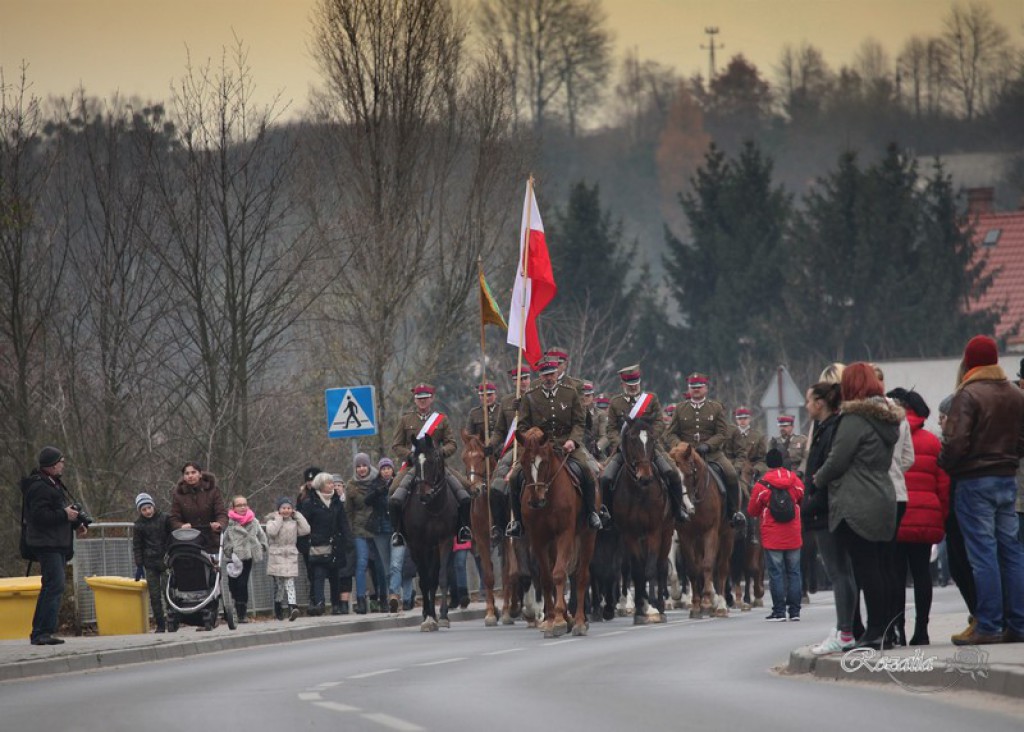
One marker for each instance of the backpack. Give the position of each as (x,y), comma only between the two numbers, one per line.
(780,504)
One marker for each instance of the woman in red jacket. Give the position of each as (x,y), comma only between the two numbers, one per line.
(925,519)
(781,539)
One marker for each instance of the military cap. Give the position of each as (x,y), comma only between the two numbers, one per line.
(422,390)
(489,387)
(630,375)
(669,409)
(559,353)
(588,387)
(602,401)
(547,366)
(518,373)
(697,379)
(785,419)
(742,412)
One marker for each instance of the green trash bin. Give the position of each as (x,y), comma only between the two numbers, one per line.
(18,597)
(122,605)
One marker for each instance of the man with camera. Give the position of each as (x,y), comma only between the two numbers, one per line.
(50,520)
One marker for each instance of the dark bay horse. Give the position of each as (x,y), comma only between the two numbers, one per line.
(561,542)
(431,520)
(642,514)
(482,519)
(705,540)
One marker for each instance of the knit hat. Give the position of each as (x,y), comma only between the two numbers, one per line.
(284,501)
(981,351)
(309,473)
(386,462)
(773,459)
(946,404)
(49,456)
(361,458)
(143,499)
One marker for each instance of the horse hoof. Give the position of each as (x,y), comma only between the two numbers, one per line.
(759,602)
(745,607)
(559,629)
(579,630)
(659,618)
(532,624)
(640,620)
(444,623)
(694,613)
(722,612)
(507,619)
(428,625)
(490,621)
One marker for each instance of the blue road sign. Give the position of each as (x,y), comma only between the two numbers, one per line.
(351,411)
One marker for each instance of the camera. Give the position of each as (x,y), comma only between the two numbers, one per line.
(84,519)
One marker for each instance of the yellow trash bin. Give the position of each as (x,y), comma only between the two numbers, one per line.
(122,605)
(18,597)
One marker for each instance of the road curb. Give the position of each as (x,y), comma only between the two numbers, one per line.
(933,671)
(91,661)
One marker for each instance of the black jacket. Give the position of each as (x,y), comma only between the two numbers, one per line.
(814,507)
(47,527)
(149,540)
(328,526)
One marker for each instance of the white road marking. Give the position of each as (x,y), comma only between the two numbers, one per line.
(373,673)
(614,632)
(393,722)
(329,684)
(561,641)
(499,653)
(442,661)
(309,696)
(336,706)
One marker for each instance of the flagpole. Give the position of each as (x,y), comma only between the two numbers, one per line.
(483,393)
(524,263)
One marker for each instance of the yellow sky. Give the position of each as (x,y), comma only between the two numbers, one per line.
(137,47)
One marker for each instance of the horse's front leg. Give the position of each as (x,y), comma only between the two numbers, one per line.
(428,584)
(443,554)
(564,547)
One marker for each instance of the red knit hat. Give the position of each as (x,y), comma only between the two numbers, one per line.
(981,351)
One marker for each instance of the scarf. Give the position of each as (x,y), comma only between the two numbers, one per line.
(326,500)
(241,518)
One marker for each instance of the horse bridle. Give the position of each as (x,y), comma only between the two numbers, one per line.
(632,465)
(544,485)
(439,483)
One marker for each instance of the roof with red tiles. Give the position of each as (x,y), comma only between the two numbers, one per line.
(999,238)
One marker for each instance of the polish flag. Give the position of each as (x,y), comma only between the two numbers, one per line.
(511,436)
(534,287)
(432,423)
(642,402)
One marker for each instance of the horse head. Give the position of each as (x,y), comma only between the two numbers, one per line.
(638,449)
(474,460)
(539,464)
(428,466)
(692,466)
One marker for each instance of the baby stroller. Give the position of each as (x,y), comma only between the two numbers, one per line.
(193,583)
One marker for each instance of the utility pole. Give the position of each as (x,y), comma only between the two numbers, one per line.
(711,31)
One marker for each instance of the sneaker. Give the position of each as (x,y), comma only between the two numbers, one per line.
(397,539)
(832,644)
(794,618)
(46,640)
(776,618)
(393,604)
(514,529)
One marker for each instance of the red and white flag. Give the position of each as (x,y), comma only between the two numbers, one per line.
(642,402)
(511,436)
(534,287)
(430,424)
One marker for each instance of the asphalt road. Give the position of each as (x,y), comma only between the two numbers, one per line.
(708,675)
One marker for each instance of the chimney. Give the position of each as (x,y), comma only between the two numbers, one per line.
(981,201)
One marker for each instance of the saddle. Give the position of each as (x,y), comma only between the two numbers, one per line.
(575,471)
(716,472)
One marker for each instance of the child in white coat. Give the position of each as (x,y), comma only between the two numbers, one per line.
(284,527)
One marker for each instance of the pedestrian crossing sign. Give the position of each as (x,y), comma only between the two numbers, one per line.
(351,411)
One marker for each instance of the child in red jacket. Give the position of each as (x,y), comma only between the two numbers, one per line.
(775,499)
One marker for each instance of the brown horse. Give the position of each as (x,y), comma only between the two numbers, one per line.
(642,514)
(706,539)
(560,540)
(478,469)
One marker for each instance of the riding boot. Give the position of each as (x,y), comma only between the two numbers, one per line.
(674,484)
(608,480)
(396,503)
(587,487)
(515,524)
(732,499)
(465,534)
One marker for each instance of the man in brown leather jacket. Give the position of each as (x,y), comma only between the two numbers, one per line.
(983,441)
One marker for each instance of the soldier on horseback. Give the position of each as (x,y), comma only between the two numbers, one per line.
(630,404)
(561,356)
(701,422)
(746,447)
(412,424)
(557,410)
(792,446)
(498,444)
(475,421)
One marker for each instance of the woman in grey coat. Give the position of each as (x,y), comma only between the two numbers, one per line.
(861,497)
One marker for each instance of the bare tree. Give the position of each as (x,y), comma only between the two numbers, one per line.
(979,54)
(922,64)
(805,79)
(643,96)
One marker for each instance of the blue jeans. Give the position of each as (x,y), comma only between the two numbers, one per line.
(51,567)
(985,509)
(362,561)
(784,580)
(391,558)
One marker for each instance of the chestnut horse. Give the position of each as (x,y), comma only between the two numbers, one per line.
(642,514)
(431,521)
(561,542)
(705,540)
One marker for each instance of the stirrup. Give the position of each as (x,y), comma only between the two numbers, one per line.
(465,534)
(514,529)
(595,522)
(495,534)
(397,539)
(680,515)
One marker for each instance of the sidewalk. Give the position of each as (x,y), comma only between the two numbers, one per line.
(993,669)
(20,660)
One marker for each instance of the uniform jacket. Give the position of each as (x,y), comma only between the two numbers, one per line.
(618,410)
(746,451)
(699,424)
(149,540)
(856,471)
(410,425)
(984,430)
(774,535)
(502,421)
(48,528)
(200,506)
(572,382)
(475,421)
(792,448)
(558,413)
(927,489)
(282,543)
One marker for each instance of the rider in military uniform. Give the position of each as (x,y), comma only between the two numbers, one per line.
(622,405)
(562,357)
(745,447)
(475,421)
(701,422)
(793,447)
(409,426)
(557,410)
(591,432)
(601,403)
(503,422)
